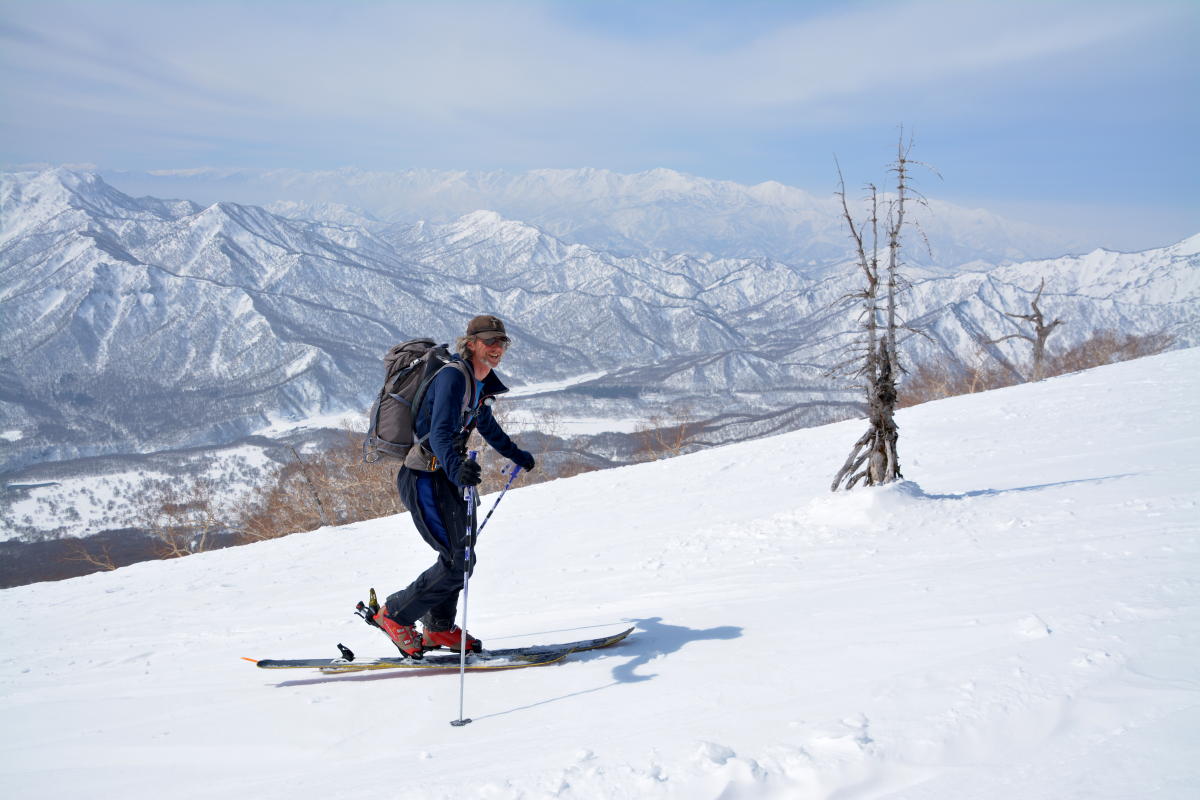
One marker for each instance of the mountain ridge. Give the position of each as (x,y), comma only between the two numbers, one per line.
(624,213)
(142,324)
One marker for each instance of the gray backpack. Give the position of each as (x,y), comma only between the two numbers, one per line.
(408,369)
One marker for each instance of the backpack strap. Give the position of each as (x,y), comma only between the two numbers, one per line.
(426,460)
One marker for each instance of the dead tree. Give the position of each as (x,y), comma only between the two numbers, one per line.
(873,459)
(1041,332)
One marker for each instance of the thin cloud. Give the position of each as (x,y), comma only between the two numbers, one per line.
(439,62)
(910,48)
(1017,98)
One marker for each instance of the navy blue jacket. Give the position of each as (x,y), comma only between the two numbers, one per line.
(441,417)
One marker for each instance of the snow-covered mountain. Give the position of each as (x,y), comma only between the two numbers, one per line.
(147,323)
(1019,620)
(626,214)
(140,323)
(137,324)
(1149,292)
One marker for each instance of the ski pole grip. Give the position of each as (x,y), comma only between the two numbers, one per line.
(469,493)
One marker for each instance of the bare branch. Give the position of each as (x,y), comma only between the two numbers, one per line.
(1010,336)
(78,550)
(1041,331)
(873,459)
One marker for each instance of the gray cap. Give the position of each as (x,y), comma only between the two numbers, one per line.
(486,326)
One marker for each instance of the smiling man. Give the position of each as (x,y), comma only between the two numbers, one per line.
(432,481)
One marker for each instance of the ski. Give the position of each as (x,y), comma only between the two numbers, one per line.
(509,658)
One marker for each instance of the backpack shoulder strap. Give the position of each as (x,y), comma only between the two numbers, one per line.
(424,389)
(469,374)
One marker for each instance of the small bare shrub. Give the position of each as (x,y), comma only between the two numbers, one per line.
(180,514)
(101,559)
(573,465)
(666,435)
(1107,346)
(326,487)
(935,380)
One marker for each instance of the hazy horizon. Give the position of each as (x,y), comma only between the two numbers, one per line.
(1071,115)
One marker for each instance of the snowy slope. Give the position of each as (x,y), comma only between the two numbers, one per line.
(1021,619)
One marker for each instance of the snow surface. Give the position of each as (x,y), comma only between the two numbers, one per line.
(553,386)
(279,426)
(1021,619)
(94,501)
(98,501)
(589,426)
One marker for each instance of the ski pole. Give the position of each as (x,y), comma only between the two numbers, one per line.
(471,532)
(511,477)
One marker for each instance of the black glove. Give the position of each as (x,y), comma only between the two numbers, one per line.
(469,474)
(525,461)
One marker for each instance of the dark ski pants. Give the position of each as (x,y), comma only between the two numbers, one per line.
(440,514)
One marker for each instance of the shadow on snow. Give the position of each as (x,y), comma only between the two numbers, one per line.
(1036,488)
(653,640)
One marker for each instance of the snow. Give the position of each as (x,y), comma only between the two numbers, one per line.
(12,436)
(540,387)
(560,425)
(515,422)
(1189,246)
(95,500)
(115,498)
(1020,618)
(278,426)
(292,316)
(590,426)
(655,210)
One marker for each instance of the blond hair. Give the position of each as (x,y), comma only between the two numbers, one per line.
(460,346)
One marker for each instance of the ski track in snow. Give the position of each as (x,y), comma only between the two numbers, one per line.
(1021,618)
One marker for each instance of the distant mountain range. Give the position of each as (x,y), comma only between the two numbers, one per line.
(138,324)
(634,215)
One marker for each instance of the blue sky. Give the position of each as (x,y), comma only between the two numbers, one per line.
(1080,115)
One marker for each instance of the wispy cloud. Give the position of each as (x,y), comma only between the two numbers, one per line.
(438,61)
(726,90)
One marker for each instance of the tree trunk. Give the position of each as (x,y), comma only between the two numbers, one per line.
(873,459)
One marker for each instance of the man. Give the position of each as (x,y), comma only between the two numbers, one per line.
(432,480)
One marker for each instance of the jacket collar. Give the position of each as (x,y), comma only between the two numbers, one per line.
(492,384)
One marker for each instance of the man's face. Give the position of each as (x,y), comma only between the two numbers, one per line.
(489,351)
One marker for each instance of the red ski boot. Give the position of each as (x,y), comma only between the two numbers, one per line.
(451,640)
(405,637)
